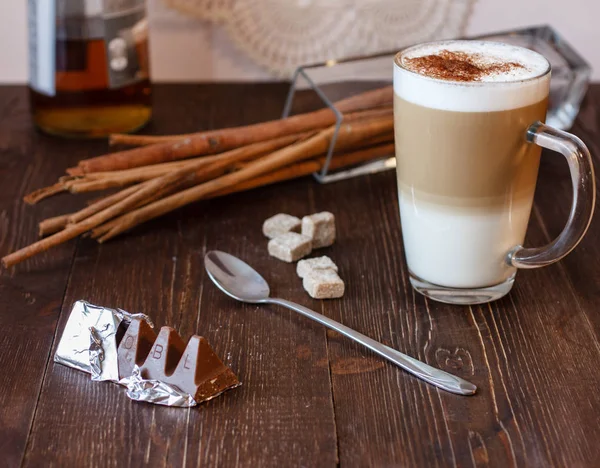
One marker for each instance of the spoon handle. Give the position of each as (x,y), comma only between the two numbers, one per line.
(429,374)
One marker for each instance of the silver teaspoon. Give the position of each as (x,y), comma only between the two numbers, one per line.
(240,281)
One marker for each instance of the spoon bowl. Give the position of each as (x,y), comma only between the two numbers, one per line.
(235,277)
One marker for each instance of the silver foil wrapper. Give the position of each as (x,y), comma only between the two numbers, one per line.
(89,343)
(89,340)
(155,391)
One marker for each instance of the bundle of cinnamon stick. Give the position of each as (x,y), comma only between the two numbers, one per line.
(163,173)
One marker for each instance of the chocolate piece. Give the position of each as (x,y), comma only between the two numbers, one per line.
(201,373)
(194,369)
(134,346)
(164,355)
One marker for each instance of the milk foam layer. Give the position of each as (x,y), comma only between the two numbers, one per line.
(511,89)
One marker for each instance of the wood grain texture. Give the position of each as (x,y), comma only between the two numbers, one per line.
(309,397)
(529,353)
(553,202)
(31,294)
(282,412)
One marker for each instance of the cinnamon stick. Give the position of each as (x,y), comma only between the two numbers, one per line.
(308,167)
(287,173)
(198,172)
(152,170)
(102,204)
(220,140)
(131,176)
(74,171)
(294,171)
(99,231)
(128,139)
(52,225)
(45,192)
(154,196)
(193,178)
(73,230)
(368,143)
(145,140)
(349,133)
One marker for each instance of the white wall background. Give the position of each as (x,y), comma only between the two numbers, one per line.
(184,49)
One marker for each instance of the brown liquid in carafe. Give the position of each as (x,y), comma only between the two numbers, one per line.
(84,105)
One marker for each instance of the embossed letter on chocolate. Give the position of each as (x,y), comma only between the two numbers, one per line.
(194,368)
(134,346)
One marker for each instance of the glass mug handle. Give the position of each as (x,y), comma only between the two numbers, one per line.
(584,197)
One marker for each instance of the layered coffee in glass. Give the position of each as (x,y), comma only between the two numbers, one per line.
(466,117)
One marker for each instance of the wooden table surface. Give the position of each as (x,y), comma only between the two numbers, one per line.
(309,396)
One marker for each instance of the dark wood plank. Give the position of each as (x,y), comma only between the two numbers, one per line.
(379,408)
(283,412)
(31,294)
(554,201)
(309,398)
(532,355)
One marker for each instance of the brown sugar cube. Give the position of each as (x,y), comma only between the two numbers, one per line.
(323,284)
(290,246)
(320,227)
(280,224)
(318,263)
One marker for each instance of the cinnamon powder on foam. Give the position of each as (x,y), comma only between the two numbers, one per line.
(458,66)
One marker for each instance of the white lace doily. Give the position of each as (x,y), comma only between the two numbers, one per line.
(283,34)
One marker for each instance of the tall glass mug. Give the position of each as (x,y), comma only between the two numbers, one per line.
(468,127)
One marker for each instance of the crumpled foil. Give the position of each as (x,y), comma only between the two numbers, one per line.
(89,343)
(155,391)
(96,353)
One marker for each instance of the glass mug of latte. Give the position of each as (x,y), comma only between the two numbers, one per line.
(468,129)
